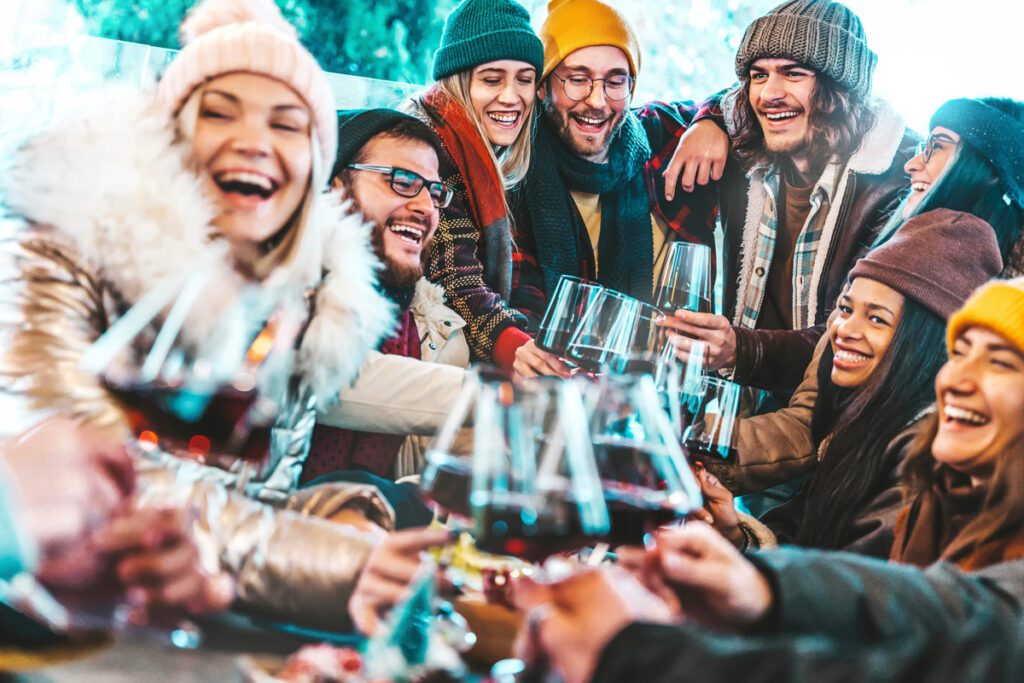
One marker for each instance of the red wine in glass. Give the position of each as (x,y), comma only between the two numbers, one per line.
(591,358)
(635,512)
(554,340)
(447,481)
(182,420)
(527,530)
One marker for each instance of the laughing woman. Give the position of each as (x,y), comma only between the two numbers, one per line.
(224,167)
(482,108)
(966,475)
(875,378)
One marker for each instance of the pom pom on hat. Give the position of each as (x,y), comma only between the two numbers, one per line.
(251,36)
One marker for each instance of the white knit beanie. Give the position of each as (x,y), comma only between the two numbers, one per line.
(229,36)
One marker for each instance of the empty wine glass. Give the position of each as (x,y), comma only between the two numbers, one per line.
(535,488)
(685,281)
(572,299)
(644,475)
(606,332)
(715,410)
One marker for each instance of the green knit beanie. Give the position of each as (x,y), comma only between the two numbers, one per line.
(481,31)
(824,35)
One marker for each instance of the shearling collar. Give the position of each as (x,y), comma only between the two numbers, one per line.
(114,181)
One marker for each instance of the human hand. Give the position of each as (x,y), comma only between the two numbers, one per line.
(719,506)
(717,585)
(699,158)
(531,361)
(157,561)
(70,477)
(715,331)
(388,574)
(571,622)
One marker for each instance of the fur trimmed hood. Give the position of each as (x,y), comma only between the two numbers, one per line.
(114,181)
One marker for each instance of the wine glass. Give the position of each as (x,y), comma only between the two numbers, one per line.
(644,475)
(535,487)
(198,378)
(710,432)
(685,280)
(606,332)
(572,299)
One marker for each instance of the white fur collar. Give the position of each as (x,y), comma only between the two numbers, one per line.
(114,181)
(428,304)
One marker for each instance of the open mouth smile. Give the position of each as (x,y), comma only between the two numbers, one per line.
(408,233)
(247,184)
(964,416)
(848,359)
(506,119)
(589,124)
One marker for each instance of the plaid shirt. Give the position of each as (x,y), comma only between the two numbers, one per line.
(805,254)
(691,216)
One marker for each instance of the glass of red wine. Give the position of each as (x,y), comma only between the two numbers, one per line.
(535,489)
(572,299)
(685,281)
(607,332)
(644,474)
(709,435)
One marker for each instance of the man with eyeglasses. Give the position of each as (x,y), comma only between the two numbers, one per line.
(387,166)
(594,203)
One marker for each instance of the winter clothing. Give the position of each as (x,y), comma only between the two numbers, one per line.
(432,333)
(356,127)
(940,525)
(227,36)
(919,260)
(473,248)
(824,35)
(481,31)
(838,617)
(999,138)
(132,214)
(998,306)
(575,24)
(549,223)
(851,202)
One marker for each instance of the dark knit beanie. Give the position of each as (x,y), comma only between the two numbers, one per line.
(823,35)
(936,258)
(997,137)
(357,126)
(480,31)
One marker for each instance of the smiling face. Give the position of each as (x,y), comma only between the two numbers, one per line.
(980,394)
(928,165)
(403,226)
(869,313)
(252,150)
(588,126)
(502,94)
(781,94)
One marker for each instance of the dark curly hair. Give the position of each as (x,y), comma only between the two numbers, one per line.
(839,120)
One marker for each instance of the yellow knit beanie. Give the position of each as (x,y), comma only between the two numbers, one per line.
(575,24)
(997,306)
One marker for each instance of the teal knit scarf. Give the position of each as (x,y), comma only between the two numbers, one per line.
(625,249)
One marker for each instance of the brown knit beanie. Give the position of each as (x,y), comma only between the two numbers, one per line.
(824,35)
(936,258)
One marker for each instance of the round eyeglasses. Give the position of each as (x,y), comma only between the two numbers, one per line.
(578,87)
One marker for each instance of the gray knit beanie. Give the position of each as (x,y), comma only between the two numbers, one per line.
(823,35)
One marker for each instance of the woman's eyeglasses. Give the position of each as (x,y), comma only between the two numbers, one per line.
(409,183)
(928,147)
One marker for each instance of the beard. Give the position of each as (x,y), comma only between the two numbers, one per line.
(594,146)
(399,274)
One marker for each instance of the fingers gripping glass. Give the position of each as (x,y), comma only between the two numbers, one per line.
(578,87)
(409,183)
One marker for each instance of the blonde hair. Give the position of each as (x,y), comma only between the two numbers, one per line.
(295,247)
(513,161)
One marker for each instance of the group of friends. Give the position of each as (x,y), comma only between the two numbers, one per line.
(885,315)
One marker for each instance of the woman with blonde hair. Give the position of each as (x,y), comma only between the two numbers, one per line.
(224,167)
(482,108)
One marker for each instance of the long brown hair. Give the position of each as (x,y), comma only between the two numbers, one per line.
(1003,507)
(839,120)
